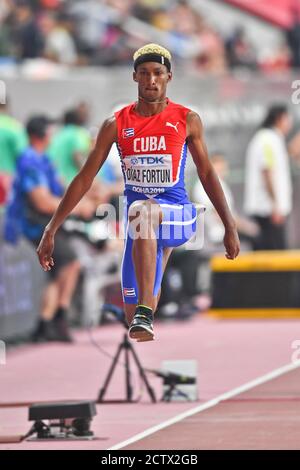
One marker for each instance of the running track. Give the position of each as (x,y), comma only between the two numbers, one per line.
(249,390)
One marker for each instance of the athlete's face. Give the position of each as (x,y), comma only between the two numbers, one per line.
(152,79)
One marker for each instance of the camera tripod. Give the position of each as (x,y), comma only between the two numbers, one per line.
(128,349)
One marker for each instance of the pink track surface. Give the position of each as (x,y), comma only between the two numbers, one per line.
(266,417)
(229,354)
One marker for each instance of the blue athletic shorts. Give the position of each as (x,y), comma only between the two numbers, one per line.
(177,227)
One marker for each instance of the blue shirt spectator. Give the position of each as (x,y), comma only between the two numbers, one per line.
(33,170)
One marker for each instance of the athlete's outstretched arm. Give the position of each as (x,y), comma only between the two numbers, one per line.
(77,189)
(211,184)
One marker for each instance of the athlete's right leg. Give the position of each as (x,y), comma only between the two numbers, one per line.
(144,247)
(131,308)
(144,217)
(149,280)
(141,275)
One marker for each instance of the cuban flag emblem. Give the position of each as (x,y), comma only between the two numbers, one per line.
(128,133)
(129,291)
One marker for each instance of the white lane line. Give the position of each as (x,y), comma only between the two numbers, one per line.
(225,396)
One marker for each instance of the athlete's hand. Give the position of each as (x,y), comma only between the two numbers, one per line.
(231,243)
(45,250)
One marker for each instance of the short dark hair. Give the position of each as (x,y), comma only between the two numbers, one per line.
(71,117)
(37,126)
(273,114)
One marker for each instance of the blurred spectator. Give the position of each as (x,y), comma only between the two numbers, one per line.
(83,112)
(111,174)
(70,146)
(26,35)
(90,19)
(183,18)
(278,59)
(6,48)
(239,50)
(114,48)
(293,35)
(4,8)
(159,18)
(3,190)
(148,10)
(123,7)
(100,34)
(106,32)
(13,140)
(191,37)
(117,43)
(212,57)
(59,43)
(35,196)
(50,4)
(268,189)
(69,149)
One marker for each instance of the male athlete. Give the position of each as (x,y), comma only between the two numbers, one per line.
(152,136)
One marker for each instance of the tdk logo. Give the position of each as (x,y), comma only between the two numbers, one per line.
(151,160)
(134,161)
